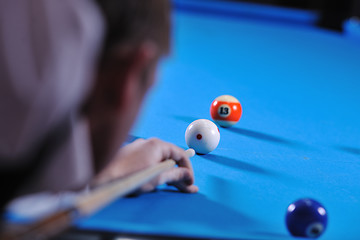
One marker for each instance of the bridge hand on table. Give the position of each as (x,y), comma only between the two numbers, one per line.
(142,154)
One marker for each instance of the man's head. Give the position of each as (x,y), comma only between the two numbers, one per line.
(65,61)
(137,36)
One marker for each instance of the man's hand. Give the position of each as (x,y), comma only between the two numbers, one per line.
(142,154)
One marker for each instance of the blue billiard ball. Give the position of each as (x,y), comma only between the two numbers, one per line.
(306,218)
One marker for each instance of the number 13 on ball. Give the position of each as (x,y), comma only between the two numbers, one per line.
(226,110)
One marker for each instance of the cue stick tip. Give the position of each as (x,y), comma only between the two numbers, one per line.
(190,152)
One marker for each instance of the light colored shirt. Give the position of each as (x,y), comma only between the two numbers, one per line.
(48,52)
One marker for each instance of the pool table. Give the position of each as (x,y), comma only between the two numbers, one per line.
(298,137)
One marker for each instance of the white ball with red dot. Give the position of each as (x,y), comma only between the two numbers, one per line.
(202,135)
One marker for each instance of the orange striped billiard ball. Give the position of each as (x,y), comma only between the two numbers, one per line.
(226,110)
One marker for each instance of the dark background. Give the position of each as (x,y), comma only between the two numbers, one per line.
(332,12)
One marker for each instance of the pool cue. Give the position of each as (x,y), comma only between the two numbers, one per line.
(89,203)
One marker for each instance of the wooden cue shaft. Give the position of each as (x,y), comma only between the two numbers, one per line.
(87,204)
(101,196)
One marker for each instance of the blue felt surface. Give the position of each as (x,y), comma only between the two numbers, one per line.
(299,135)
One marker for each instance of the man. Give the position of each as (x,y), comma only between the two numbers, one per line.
(73,75)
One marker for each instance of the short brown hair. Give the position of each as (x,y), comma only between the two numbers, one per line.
(128,22)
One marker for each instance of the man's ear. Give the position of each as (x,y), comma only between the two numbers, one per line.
(138,74)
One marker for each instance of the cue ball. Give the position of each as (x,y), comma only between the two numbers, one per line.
(202,135)
(226,110)
(306,218)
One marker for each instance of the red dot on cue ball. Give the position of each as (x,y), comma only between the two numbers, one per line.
(201,135)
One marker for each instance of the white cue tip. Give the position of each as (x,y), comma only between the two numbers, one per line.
(190,152)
